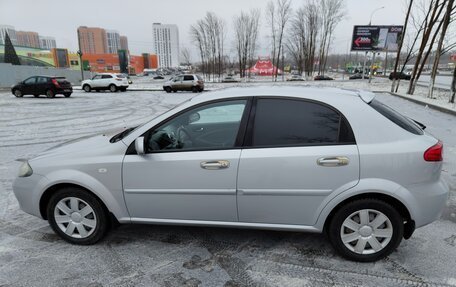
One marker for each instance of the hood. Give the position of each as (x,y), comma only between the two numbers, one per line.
(76,146)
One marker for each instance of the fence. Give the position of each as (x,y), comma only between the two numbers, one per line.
(10,75)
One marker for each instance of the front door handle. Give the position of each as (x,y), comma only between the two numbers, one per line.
(333,161)
(217,164)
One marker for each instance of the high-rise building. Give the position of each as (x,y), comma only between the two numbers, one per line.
(166,44)
(123,43)
(28,39)
(92,40)
(47,43)
(112,41)
(11,33)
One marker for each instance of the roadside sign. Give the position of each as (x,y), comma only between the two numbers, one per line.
(376,38)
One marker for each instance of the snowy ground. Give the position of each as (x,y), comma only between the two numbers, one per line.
(145,255)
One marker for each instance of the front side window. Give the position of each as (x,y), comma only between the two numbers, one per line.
(212,126)
(97,77)
(30,81)
(284,122)
(42,80)
(188,78)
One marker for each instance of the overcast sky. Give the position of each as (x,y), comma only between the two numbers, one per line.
(134,18)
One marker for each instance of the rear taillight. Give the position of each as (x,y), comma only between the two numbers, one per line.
(199,82)
(434,153)
(54,81)
(119,79)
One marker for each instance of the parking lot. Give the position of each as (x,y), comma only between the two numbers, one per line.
(149,255)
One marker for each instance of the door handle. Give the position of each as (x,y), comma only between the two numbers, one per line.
(217,164)
(333,161)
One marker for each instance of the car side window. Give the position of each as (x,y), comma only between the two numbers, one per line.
(287,122)
(42,80)
(97,77)
(178,79)
(30,81)
(106,76)
(188,78)
(212,126)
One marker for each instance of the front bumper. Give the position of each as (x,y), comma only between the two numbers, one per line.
(28,191)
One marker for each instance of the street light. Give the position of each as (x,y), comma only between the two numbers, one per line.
(372,14)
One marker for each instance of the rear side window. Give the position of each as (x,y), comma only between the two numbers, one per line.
(280,122)
(106,76)
(396,117)
(188,78)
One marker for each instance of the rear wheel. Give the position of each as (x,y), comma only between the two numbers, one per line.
(77,216)
(86,88)
(36,95)
(366,230)
(168,89)
(18,94)
(112,88)
(195,89)
(50,94)
(67,95)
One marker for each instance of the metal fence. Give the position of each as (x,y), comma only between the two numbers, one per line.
(10,75)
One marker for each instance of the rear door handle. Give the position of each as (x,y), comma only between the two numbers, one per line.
(333,161)
(217,164)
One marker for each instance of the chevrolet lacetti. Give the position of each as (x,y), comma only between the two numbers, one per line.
(286,158)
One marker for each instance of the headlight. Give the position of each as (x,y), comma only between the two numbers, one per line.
(25,170)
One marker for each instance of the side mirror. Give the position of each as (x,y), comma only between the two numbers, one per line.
(139,146)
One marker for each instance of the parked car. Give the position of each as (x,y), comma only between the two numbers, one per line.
(399,75)
(358,76)
(190,82)
(106,81)
(158,77)
(43,85)
(322,78)
(229,79)
(218,160)
(295,78)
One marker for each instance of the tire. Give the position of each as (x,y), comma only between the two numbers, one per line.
(168,89)
(195,89)
(87,88)
(112,88)
(50,94)
(73,226)
(36,96)
(67,95)
(18,93)
(388,233)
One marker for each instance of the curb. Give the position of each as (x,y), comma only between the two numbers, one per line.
(432,106)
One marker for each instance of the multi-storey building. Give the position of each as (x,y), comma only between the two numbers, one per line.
(92,40)
(166,44)
(11,33)
(28,39)
(47,43)
(112,41)
(123,43)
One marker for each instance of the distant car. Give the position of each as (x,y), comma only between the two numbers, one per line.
(399,75)
(43,85)
(106,81)
(229,79)
(159,77)
(295,78)
(358,76)
(191,82)
(322,78)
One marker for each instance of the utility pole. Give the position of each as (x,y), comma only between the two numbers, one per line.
(80,57)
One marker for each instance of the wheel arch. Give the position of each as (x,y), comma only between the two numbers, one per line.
(409,225)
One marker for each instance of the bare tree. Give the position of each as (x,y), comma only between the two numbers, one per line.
(246,35)
(186,56)
(279,13)
(208,34)
(332,12)
(311,23)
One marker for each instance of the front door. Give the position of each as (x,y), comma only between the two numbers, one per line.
(189,170)
(28,87)
(299,153)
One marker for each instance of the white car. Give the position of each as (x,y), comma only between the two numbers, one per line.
(106,81)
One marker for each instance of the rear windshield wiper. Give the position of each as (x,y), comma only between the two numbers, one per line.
(121,135)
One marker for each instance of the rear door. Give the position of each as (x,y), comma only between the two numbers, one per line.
(297,153)
(42,84)
(188,82)
(29,86)
(106,80)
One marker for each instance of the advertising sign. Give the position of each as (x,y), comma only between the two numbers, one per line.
(376,38)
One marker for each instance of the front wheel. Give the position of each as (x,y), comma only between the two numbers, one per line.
(366,230)
(87,88)
(18,94)
(77,216)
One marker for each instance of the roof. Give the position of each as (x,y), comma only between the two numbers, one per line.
(285,91)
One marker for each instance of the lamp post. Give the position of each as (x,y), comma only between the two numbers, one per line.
(80,57)
(365,55)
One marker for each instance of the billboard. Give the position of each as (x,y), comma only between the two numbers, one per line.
(376,38)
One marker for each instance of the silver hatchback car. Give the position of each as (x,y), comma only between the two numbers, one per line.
(285,158)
